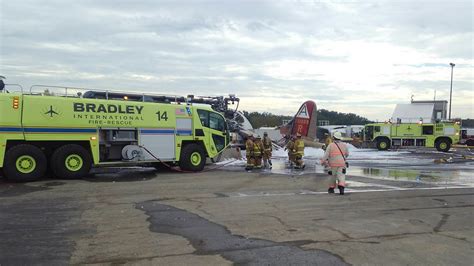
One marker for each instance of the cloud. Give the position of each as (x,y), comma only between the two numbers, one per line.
(363,56)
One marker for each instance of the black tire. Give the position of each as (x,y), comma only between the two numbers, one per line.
(470,142)
(24,162)
(383,144)
(193,158)
(71,161)
(443,144)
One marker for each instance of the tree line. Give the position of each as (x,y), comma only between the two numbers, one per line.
(337,118)
(267,119)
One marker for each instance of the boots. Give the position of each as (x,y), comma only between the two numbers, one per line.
(331,190)
(341,190)
(270,163)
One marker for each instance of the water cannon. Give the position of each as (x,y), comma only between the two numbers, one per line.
(232,99)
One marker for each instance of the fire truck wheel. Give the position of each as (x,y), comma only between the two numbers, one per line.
(71,161)
(193,158)
(24,162)
(470,142)
(383,144)
(443,145)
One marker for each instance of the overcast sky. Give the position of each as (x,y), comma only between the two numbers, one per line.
(348,56)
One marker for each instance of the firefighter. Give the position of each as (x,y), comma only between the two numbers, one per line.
(258,151)
(335,157)
(249,153)
(267,152)
(327,140)
(299,151)
(290,146)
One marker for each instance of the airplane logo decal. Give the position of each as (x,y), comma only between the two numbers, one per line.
(303,113)
(51,112)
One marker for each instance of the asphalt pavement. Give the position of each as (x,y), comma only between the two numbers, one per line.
(230,216)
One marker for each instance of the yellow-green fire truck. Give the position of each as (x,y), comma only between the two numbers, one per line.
(69,134)
(385,135)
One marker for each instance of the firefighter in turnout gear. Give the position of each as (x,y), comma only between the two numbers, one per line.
(249,153)
(267,153)
(258,152)
(290,146)
(327,140)
(335,157)
(299,151)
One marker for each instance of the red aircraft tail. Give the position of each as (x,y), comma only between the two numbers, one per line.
(304,122)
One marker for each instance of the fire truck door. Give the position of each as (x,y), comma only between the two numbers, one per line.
(213,128)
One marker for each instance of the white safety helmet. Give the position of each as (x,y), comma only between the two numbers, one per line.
(337,135)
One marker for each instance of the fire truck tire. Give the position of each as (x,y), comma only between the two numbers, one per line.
(24,162)
(71,161)
(443,144)
(193,158)
(383,144)
(470,142)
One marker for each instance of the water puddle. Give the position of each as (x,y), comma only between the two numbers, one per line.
(435,177)
(405,165)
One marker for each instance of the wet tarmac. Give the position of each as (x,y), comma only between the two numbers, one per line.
(39,232)
(211,238)
(413,165)
(400,208)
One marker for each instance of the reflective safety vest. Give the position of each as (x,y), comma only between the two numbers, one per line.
(333,154)
(299,147)
(257,148)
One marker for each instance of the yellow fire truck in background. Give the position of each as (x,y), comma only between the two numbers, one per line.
(440,135)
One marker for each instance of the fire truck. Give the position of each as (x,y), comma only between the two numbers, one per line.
(67,133)
(440,135)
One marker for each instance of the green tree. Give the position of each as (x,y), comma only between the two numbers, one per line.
(266,119)
(337,118)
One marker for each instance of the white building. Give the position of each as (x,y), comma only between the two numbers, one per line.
(426,111)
